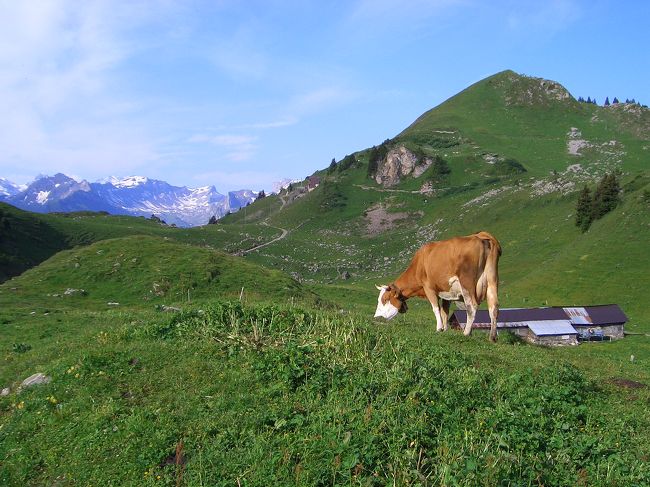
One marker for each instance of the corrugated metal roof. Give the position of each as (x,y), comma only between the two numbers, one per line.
(552,327)
(578,316)
(607,314)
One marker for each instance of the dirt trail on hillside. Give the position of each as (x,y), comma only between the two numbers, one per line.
(386,190)
(284,233)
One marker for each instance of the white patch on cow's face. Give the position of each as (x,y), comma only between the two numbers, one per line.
(385,310)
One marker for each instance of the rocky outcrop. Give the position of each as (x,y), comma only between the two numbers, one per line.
(399,162)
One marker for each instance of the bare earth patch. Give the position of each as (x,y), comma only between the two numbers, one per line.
(378,220)
(627,383)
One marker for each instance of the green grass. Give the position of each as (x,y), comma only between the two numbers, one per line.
(262,395)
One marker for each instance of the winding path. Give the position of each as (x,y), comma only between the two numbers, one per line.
(284,233)
(388,190)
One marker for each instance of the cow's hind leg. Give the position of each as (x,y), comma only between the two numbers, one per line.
(472,305)
(493,305)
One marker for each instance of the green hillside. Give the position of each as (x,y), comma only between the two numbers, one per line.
(144,270)
(561,143)
(27,239)
(293,382)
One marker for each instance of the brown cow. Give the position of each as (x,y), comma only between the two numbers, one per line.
(461,269)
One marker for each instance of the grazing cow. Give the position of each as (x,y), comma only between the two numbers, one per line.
(461,269)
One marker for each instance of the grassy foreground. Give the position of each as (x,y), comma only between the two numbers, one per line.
(235,394)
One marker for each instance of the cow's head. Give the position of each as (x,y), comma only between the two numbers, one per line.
(390,302)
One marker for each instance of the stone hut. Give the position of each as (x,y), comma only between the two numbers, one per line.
(553,325)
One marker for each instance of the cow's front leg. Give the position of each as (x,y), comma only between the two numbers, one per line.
(444,313)
(433,299)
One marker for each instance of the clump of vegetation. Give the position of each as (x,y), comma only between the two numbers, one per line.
(605,198)
(20,347)
(439,170)
(332,196)
(347,162)
(507,167)
(435,142)
(376,155)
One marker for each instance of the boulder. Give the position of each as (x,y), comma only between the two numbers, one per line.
(71,292)
(36,379)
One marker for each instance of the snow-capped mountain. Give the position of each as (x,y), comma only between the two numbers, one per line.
(238,199)
(7,189)
(134,195)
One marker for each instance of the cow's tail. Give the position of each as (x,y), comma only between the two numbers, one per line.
(488,283)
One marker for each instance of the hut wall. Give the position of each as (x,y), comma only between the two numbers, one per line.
(552,340)
(613,331)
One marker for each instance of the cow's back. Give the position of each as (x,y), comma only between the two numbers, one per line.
(437,262)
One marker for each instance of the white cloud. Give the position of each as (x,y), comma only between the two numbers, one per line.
(225,140)
(59,63)
(240,179)
(284,122)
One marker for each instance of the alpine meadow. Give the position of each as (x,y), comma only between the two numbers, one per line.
(245,352)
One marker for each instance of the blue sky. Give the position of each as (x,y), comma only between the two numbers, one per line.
(240,94)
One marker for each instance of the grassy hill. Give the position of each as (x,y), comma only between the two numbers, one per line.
(27,239)
(142,270)
(233,392)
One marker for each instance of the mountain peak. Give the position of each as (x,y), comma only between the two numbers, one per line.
(127,182)
(525,90)
(8,188)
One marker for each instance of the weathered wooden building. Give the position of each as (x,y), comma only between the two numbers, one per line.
(553,325)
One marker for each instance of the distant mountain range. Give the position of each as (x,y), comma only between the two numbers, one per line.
(134,195)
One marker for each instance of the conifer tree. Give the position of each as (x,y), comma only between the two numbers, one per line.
(606,196)
(373,161)
(332,167)
(607,101)
(583,209)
